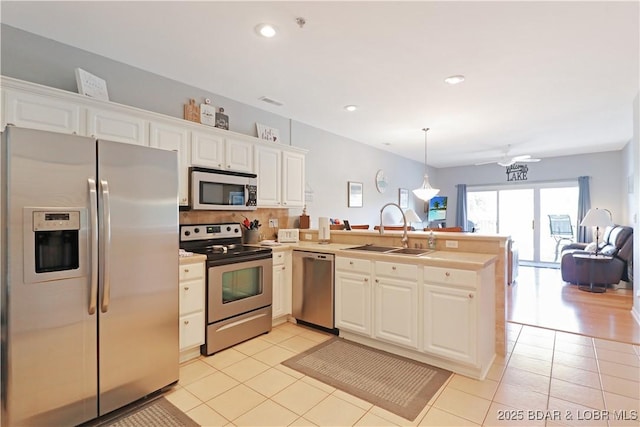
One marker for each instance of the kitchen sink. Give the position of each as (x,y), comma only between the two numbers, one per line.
(409,251)
(390,250)
(373,248)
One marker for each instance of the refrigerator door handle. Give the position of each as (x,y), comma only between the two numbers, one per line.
(93,212)
(106,254)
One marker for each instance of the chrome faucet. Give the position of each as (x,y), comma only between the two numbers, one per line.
(405,238)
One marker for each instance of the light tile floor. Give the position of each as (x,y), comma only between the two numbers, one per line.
(547,378)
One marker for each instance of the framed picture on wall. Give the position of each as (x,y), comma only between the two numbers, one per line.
(354,194)
(403,198)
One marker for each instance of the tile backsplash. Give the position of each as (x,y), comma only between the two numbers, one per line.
(263,215)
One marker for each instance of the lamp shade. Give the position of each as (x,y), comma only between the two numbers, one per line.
(411,216)
(597,218)
(426,192)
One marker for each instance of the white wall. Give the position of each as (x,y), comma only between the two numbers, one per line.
(605,170)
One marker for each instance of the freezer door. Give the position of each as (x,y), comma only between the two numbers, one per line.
(138,295)
(49,353)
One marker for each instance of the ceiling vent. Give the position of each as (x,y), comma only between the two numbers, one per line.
(270,101)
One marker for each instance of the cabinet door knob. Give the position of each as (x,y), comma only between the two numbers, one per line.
(447,274)
(219,165)
(393,267)
(377,281)
(186,322)
(186,288)
(284,268)
(471,296)
(366,279)
(186,270)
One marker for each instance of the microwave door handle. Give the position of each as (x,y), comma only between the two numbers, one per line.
(106,254)
(93,213)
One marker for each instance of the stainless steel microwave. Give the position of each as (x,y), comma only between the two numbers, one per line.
(212,189)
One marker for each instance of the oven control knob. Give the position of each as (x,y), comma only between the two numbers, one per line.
(196,230)
(236,230)
(228,228)
(187,233)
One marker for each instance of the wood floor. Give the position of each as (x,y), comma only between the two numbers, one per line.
(539,297)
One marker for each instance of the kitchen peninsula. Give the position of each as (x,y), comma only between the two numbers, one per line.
(445,307)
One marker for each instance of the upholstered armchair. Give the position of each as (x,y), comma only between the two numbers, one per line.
(617,242)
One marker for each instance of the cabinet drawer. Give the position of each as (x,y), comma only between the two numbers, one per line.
(450,276)
(397,270)
(353,265)
(191,330)
(191,271)
(278,258)
(191,296)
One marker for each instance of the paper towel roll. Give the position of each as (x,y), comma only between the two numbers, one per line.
(323,228)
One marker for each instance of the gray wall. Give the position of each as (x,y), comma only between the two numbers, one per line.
(605,170)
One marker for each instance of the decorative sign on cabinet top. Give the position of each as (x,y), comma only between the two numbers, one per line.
(91,85)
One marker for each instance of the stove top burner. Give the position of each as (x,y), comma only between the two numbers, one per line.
(218,242)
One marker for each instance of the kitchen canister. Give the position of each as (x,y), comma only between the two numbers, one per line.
(323,229)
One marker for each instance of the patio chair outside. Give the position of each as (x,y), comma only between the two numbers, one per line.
(561,230)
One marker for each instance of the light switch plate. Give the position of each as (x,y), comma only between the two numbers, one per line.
(288,235)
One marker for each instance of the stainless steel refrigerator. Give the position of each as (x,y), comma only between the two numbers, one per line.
(89,291)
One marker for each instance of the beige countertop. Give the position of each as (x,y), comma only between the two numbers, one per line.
(193,259)
(447,259)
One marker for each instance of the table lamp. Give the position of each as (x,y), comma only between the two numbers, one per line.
(597,218)
(411,217)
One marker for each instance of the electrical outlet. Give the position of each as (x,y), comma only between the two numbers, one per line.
(451,243)
(273,223)
(307,236)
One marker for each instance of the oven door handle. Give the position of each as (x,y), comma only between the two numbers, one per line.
(106,253)
(93,213)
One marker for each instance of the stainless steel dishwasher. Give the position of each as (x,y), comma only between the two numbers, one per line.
(312,295)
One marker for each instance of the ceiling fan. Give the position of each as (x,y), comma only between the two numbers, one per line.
(507,160)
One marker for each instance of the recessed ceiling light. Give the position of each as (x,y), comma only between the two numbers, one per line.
(266,30)
(454,80)
(351,107)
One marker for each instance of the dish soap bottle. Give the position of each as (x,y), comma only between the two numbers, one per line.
(431,240)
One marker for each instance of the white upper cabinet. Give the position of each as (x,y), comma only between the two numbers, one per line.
(293,176)
(41,112)
(280,177)
(214,150)
(238,155)
(280,169)
(207,150)
(116,126)
(174,138)
(269,171)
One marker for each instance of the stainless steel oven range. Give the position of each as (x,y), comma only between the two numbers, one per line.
(239,284)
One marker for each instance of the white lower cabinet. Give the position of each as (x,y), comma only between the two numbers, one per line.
(449,322)
(437,315)
(396,303)
(459,315)
(192,306)
(281,305)
(353,295)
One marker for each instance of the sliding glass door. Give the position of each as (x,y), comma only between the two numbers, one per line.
(525,213)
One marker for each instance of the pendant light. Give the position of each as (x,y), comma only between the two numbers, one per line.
(425,192)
